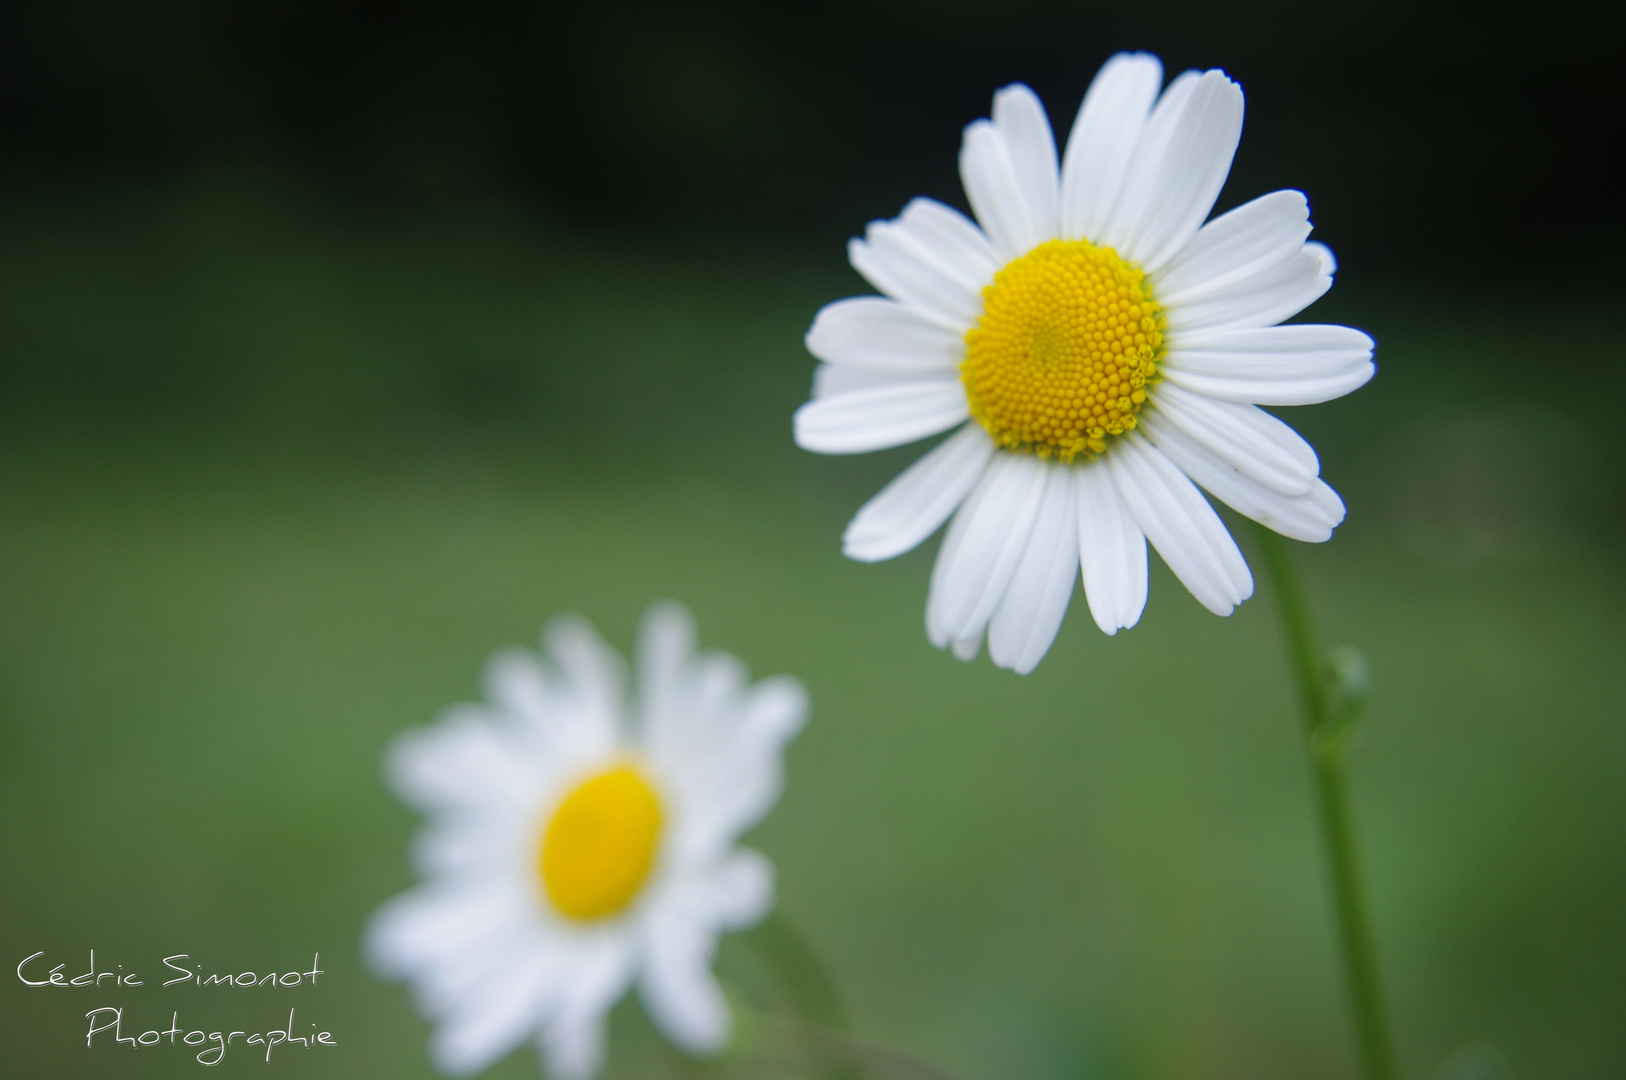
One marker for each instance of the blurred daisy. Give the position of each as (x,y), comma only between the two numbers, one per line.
(580,842)
(1099,348)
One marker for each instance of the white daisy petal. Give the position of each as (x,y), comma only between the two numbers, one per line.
(982,548)
(1112,550)
(440,987)
(1244,436)
(730,891)
(557,718)
(954,241)
(594,675)
(1020,119)
(734,781)
(906,260)
(696,723)
(1103,141)
(966,648)
(515,681)
(920,498)
(1329,263)
(1236,246)
(991,187)
(463,762)
(1178,169)
(576,1052)
(1309,517)
(874,419)
(666,647)
(720,750)
(935,251)
(465,844)
(774,711)
(880,417)
(1262,299)
(678,987)
(1008,167)
(494,1019)
(1027,619)
(1328,501)
(1134,192)
(1271,365)
(1181,525)
(429,924)
(573,1038)
(738,893)
(832,379)
(874,332)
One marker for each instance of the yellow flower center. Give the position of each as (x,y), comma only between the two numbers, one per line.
(600,845)
(1067,344)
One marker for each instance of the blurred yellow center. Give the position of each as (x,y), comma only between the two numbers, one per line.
(601,843)
(1067,344)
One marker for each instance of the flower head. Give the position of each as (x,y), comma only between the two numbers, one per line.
(580,842)
(1099,349)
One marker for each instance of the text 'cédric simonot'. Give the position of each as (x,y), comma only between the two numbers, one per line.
(194,975)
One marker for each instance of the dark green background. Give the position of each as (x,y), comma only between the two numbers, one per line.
(343,344)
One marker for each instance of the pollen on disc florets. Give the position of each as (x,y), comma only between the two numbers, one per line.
(1067,345)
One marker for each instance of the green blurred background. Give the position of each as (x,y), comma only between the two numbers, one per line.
(343,344)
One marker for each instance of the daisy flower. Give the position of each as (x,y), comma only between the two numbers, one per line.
(1102,353)
(580,842)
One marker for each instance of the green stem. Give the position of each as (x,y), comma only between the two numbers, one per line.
(1325,736)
